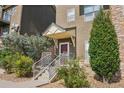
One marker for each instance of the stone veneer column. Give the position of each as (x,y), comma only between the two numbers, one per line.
(117,14)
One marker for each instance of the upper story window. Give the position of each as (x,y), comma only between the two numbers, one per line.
(90,11)
(6,15)
(71,14)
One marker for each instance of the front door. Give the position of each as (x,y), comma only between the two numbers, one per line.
(64,48)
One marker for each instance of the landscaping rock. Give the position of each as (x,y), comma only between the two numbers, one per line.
(2,71)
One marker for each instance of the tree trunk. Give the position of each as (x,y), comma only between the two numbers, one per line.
(105,80)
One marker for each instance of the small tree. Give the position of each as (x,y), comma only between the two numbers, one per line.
(103,49)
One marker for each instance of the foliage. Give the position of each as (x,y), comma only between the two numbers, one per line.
(15,62)
(31,46)
(103,49)
(23,66)
(73,75)
(8,62)
(3,53)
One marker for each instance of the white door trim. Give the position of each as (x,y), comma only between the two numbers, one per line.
(86,52)
(68,50)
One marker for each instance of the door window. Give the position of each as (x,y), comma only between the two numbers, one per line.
(64,49)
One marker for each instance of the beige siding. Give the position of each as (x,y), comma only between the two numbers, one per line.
(82,28)
(83,33)
(61,16)
(16,17)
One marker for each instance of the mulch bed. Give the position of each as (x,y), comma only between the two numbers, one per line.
(60,83)
(12,77)
(98,84)
(93,82)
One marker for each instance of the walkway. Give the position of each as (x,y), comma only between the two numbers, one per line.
(25,84)
(28,84)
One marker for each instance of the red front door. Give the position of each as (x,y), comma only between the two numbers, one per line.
(64,48)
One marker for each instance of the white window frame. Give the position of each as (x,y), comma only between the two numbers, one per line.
(94,8)
(86,52)
(71,15)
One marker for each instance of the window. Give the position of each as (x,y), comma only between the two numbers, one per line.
(71,15)
(6,15)
(81,9)
(90,11)
(5,30)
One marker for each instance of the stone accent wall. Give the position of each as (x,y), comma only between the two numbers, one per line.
(117,14)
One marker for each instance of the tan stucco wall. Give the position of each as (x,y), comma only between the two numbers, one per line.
(16,17)
(83,33)
(61,16)
(82,28)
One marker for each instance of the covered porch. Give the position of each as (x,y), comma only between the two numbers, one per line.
(64,39)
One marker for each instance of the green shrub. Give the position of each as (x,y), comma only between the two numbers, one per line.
(31,46)
(8,63)
(23,66)
(3,53)
(104,48)
(73,75)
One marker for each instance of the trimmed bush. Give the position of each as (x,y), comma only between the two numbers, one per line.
(73,75)
(23,66)
(104,48)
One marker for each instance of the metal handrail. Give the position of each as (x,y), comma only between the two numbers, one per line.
(40,60)
(51,68)
(46,67)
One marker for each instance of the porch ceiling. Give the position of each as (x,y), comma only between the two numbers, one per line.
(56,32)
(61,35)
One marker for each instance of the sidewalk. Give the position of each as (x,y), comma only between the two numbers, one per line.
(28,84)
